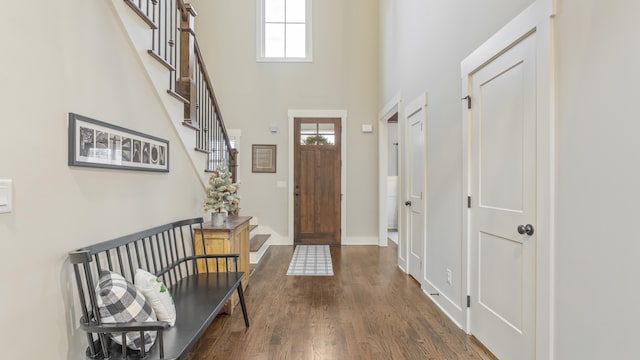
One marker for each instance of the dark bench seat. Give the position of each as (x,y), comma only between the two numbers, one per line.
(198,297)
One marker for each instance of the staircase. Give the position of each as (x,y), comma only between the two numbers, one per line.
(258,245)
(162,31)
(174,54)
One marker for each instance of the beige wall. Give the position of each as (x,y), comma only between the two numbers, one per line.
(343,75)
(598,173)
(71,56)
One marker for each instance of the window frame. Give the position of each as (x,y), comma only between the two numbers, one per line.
(260,33)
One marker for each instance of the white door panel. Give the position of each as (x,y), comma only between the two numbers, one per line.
(501,128)
(415,125)
(503,180)
(500,291)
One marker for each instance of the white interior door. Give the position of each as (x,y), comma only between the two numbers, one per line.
(503,190)
(416,175)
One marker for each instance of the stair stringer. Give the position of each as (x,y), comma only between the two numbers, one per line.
(140,34)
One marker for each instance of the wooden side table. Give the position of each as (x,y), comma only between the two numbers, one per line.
(232,237)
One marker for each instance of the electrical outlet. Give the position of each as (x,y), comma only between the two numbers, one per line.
(449,276)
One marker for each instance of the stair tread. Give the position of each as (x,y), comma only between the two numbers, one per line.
(162,61)
(257,241)
(140,13)
(178,96)
(252,227)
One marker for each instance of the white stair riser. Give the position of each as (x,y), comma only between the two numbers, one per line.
(255,256)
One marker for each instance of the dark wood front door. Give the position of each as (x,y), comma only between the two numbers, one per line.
(317,166)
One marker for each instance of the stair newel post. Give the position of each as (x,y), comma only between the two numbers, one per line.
(233,164)
(186,86)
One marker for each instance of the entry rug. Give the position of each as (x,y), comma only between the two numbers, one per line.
(311,260)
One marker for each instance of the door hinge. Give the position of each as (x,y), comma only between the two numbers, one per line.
(469,202)
(468,301)
(468,98)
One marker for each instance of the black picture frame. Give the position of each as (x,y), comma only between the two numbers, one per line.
(94,143)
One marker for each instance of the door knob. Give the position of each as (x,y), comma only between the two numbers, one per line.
(407,203)
(525,229)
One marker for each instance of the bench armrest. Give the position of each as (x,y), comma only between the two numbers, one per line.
(201,257)
(93,326)
(216,256)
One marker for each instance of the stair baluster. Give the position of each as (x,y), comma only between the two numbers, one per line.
(175,46)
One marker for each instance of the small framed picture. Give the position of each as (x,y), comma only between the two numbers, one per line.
(263,158)
(95,143)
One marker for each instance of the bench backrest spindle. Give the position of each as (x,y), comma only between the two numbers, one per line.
(194,269)
(129,259)
(175,270)
(109,263)
(150,254)
(120,263)
(204,249)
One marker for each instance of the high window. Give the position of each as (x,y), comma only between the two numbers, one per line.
(284,30)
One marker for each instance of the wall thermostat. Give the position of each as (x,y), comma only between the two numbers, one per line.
(6,191)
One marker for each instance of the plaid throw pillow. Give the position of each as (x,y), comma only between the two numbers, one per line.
(120,302)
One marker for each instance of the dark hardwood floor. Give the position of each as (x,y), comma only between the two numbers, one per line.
(368,310)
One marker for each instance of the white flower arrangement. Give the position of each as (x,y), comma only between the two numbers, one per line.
(221,193)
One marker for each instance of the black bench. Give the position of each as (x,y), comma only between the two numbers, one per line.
(167,251)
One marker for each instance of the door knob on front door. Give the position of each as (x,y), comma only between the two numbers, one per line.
(525,229)
(407,203)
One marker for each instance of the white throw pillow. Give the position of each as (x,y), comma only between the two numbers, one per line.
(157,295)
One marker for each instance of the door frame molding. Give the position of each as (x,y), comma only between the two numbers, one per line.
(310,113)
(420,103)
(392,107)
(537,18)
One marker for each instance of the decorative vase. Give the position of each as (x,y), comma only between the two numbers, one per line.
(217,218)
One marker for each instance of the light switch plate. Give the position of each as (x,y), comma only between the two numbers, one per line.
(367,128)
(281,184)
(6,198)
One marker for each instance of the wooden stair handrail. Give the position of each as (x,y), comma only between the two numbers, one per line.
(190,56)
(174,45)
(207,81)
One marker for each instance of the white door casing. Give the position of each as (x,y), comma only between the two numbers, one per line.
(415,127)
(393,107)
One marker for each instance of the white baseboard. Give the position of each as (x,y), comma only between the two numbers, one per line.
(444,303)
(276,238)
(361,240)
(432,298)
